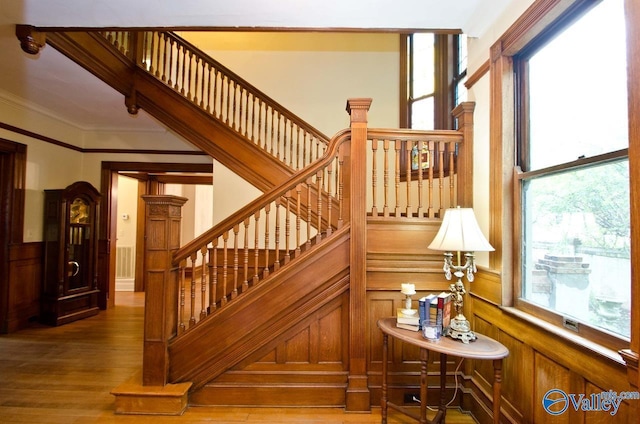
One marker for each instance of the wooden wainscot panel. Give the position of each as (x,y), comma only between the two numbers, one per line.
(555,359)
(307,365)
(25,277)
(397,252)
(487,285)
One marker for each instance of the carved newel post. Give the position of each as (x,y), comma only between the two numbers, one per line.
(162,228)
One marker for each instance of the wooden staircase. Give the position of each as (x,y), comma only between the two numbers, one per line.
(272,306)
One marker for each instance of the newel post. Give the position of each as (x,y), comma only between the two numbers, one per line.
(463,113)
(358,395)
(162,238)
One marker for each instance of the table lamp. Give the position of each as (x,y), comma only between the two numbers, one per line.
(460,233)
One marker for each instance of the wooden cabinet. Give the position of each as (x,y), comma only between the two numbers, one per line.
(70,286)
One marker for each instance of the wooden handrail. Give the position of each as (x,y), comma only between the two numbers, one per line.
(260,202)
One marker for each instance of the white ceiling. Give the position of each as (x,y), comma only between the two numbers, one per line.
(56,86)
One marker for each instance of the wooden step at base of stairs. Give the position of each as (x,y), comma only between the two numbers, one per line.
(135,399)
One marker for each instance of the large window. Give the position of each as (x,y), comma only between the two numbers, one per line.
(574,180)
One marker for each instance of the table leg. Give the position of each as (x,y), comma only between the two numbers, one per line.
(424,360)
(443,385)
(383,398)
(497,383)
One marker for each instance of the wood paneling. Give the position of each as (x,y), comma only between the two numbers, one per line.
(24,285)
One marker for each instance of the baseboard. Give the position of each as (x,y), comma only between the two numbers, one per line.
(125,284)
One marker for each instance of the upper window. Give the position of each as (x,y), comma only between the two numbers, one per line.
(574,180)
(433,73)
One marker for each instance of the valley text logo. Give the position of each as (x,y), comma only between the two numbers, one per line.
(556,401)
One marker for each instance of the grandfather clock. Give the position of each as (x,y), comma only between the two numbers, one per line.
(70,283)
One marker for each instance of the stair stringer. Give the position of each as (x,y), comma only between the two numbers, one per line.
(261,316)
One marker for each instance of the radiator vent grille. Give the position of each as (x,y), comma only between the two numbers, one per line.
(124,262)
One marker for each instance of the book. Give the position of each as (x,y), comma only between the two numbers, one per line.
(424,305)
(403,318)
(408,326)
(443,309)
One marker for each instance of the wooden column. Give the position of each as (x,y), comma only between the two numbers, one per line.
(463,113)
(358,395)
(162,225)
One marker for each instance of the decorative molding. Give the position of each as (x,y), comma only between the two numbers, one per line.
(59,143)
(477,75)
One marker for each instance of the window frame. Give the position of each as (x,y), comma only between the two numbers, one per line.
(570,16)
(447,77)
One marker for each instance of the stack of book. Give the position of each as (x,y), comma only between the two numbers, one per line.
(434,310)
(406,321)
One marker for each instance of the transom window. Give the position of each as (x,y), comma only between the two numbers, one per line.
(574,179)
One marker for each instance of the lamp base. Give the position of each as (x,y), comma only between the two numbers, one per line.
(460,329)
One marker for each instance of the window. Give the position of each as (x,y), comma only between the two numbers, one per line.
(574,180)
(433,72)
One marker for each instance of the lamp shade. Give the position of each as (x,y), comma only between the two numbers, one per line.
(460,232)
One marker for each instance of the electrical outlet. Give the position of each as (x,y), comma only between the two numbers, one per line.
(411,398)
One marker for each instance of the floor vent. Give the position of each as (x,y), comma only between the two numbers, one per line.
(124,262)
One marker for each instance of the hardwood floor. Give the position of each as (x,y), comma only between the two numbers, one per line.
(51,375)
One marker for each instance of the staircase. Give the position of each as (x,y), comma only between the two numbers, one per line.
(276,305)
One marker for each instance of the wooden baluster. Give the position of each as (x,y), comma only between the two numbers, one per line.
(287,229)
(256,251)
(431,156)
(277,140)
(385,178)
(298,217)
(192,317)
(452,193)
(208,85)
(182,273)
(340,179)
(169,82)
(276,264)
(225,265)
(267,209)
(227,86)
(319,205)
(397,147)
(201,80)
(259,142)
(236,230)
(298,164)
(213,276)
(238,103)
(152,53)
(215,110)
(441,177)
(184,89)
(309,219)
(330,197)
(374,177)
(203,283)
(407,153)
(292,157)
(196,79)
(420,206)
(273,123)
(305,150)
(163,52)
(245,268)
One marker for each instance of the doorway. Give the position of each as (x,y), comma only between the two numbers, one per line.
(152,178)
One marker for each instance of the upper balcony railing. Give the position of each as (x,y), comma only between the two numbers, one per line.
(224,95)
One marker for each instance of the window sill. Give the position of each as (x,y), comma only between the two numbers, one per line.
(566,335)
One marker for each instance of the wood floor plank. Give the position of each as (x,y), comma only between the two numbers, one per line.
(64,375)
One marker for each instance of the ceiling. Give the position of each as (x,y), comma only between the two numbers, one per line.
(54,85)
